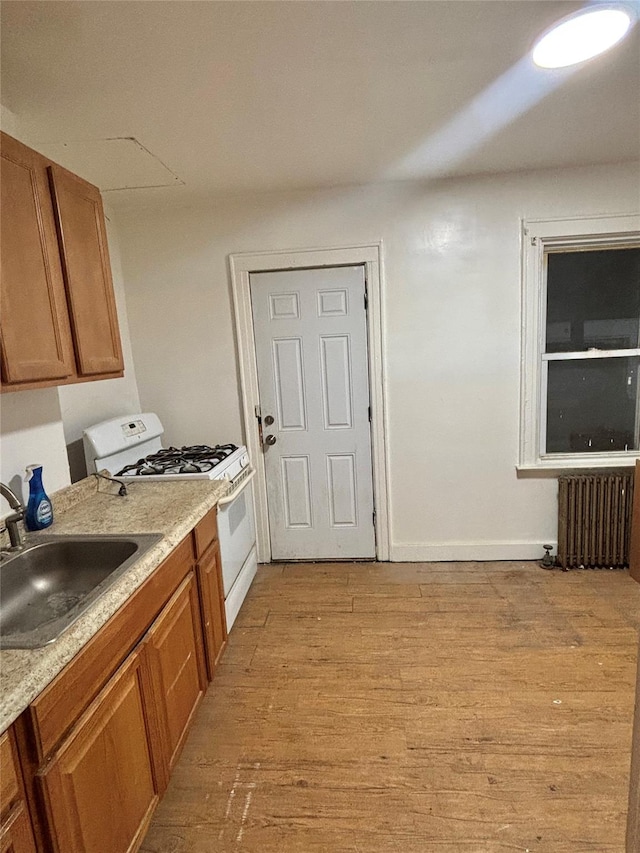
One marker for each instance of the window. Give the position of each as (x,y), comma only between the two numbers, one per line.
(580,404)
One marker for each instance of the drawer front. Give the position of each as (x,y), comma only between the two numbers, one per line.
(206,531)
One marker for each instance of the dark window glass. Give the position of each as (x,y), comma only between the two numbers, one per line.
(592,405)
(593,300)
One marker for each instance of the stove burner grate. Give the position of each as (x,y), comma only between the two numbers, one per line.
(195,459)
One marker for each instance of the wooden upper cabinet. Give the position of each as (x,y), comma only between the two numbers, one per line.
(36,340)
(59,321)
(87,273)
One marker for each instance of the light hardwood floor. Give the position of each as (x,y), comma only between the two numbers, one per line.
(409,708)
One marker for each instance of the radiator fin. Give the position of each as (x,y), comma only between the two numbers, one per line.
(594,521)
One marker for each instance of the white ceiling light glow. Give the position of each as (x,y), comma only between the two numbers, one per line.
(581,37)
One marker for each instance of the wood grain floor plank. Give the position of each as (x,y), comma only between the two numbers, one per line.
(417,708)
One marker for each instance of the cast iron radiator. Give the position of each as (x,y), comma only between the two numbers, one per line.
(594,521)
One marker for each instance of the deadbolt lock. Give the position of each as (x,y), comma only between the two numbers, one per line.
(269,420)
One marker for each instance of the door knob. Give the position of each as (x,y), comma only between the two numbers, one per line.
(270,440)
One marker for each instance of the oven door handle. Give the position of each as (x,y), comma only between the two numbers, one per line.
(227,499)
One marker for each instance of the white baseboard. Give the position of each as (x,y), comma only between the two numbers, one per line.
(467,551)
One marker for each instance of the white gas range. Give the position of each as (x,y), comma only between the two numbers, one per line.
(130,448)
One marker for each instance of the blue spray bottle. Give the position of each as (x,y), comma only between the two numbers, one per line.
(39,511)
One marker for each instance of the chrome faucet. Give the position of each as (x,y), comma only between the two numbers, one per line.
(16,536)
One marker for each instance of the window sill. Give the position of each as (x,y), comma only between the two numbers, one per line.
(561,464)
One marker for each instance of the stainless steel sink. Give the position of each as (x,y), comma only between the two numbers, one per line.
(52,582)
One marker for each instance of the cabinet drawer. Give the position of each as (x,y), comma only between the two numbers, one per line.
(206,531)
(62,702)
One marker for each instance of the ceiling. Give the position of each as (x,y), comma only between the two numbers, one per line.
(233,96)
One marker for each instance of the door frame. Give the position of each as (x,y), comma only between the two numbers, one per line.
(241,265)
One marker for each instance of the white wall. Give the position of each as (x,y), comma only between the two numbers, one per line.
(32,432)
(8,120)
(452,306)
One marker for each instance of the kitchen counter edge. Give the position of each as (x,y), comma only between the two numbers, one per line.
(171,509)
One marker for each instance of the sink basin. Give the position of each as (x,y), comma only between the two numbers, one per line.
(52,582)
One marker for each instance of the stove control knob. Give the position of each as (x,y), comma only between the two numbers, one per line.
(244,461)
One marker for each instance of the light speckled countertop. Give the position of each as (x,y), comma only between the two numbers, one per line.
(92,506)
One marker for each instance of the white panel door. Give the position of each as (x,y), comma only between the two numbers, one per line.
(311,347)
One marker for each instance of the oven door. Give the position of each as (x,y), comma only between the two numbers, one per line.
(236,531)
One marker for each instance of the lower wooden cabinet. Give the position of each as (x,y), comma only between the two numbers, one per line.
(212,602)
(98,745)
(16,834)
(176,668)
(99,789)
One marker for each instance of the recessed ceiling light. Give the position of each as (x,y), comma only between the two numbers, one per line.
(581,36)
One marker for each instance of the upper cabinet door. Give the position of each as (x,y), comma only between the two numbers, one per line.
(87,272)
(36,340)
